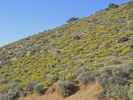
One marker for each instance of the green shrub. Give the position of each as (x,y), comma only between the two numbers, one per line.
(112,5)
(51,78)
(116,74)
(3,80)
(130,93)
(15,90)
(117,92)
(72,19)
(3,88)
(39,88)
(86,77)
(13,94)
(67,88)
(115,82)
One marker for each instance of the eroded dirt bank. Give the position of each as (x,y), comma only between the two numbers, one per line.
(89,92)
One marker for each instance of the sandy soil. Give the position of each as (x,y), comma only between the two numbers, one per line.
(89,92)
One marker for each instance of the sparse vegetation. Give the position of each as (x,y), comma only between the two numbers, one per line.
(115,81)
(91,44)
(67,88)
(112,5)
(130,93)
(40,88)
(86,78)
(72,19)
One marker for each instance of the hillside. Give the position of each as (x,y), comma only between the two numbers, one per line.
(77,52)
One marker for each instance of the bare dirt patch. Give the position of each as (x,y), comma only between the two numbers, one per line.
(89,92)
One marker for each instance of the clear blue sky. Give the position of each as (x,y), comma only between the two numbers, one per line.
(21,18)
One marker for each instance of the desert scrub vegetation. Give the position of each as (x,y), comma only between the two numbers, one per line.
(130,93)
(15,90)
(102,39)
(86,78)
(72,19)
(112,5)
(40,88)
(67,88)
(116,81)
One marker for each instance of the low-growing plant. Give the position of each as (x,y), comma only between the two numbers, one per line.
(86,78)
(3,88)
(15,93)
(112,5)
(51,78)
(115,81)
(67,88)
(130,93)
(117,92)
(72,19)
(40,88)
(15,90)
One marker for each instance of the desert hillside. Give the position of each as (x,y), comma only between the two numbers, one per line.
(93,49)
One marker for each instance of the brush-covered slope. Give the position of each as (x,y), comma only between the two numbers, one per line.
(102,39)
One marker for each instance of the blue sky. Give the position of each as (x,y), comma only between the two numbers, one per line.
(21,18)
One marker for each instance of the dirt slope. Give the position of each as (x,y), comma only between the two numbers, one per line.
(85,93)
